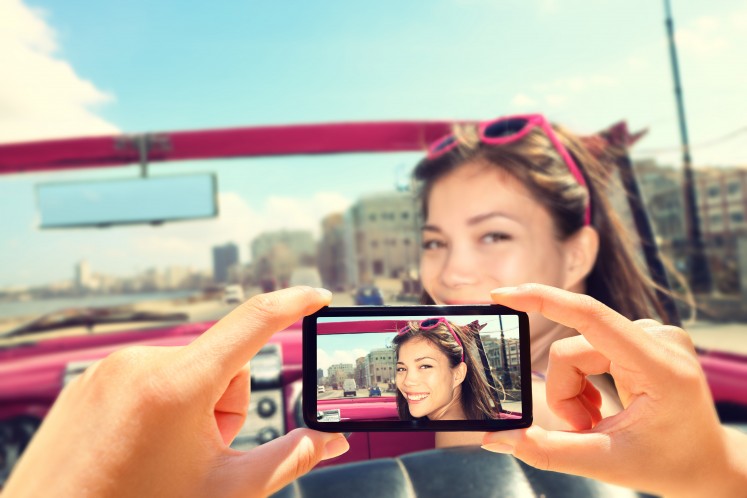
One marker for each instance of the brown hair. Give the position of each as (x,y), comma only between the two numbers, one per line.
(616,278)
(479,399)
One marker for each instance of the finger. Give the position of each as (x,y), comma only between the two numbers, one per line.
(232,407)
(616,337)
(229,344)
(570,395)
(668,333)
(271,466)
(591,399)
(588,454)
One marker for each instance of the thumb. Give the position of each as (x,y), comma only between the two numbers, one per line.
(269,467)
(588,453)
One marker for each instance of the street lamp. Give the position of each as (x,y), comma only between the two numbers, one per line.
(505,375)
(700,277)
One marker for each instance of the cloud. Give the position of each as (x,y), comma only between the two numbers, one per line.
(555,100)
(561,92)
(705,37)
(523,101)
(548,6)
(41,96)
(302,213)
(190,243)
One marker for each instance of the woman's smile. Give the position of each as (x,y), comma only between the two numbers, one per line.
(414,398)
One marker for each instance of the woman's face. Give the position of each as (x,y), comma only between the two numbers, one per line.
(485,230)
(426,380)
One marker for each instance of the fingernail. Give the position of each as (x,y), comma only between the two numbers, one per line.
(323,292)
(499,448)
(504,290)
(335,447)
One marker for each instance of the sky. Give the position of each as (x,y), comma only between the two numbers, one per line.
(80,68)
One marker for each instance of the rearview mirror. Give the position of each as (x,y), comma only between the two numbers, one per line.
(152,200)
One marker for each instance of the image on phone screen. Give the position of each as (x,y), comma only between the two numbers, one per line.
(444,368)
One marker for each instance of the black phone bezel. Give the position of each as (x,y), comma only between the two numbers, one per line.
(309,400)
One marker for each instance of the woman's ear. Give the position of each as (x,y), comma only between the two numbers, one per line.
(460,373)
(581,251)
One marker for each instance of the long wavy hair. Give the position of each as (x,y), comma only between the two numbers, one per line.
(617,278)
(478,398)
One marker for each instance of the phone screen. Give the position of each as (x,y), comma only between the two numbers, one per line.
(409,368)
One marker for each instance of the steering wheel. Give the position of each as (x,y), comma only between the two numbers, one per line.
(462,472)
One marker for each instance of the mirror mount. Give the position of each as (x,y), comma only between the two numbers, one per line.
(144,146)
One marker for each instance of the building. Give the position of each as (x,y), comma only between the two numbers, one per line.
(331,253)
(83,276)
(382,237)
(361,372)
(492,346)
(224,257)
(300,243)
(277,253)
(721,198)
(381,366)
(175,277)
(339,372)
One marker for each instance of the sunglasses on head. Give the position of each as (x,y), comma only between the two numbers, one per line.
(431,323)
(509,129)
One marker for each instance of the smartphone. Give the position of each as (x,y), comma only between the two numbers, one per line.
(411,368)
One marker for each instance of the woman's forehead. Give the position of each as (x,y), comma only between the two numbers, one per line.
(418,347)
(475,189)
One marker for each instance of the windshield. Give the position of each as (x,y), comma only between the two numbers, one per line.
(291,220)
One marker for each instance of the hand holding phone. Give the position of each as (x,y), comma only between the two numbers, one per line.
(404,368)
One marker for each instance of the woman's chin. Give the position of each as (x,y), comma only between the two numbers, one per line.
(420,412)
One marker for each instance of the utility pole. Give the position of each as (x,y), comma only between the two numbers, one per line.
(697,263)
(505,375)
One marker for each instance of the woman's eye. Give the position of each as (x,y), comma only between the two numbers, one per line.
(400,369)
(432,244)
(493,237)
(426,366)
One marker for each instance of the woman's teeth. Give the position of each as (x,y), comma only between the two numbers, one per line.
(417,397)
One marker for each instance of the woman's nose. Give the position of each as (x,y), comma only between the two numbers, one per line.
(458,267)
(410,379)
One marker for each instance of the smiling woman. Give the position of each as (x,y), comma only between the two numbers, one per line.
(439,374)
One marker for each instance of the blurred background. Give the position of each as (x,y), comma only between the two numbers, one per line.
(350,222)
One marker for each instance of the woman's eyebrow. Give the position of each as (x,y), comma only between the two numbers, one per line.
(474,220)
(417,360)
(486,216)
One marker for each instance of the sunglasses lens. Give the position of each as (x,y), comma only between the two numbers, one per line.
(505,128)
(430,322)
(443,144)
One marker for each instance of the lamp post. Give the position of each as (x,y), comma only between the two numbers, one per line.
(697,264)
(505,375)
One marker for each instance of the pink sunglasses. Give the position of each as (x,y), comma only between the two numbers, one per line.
(509,129)
(431,323)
